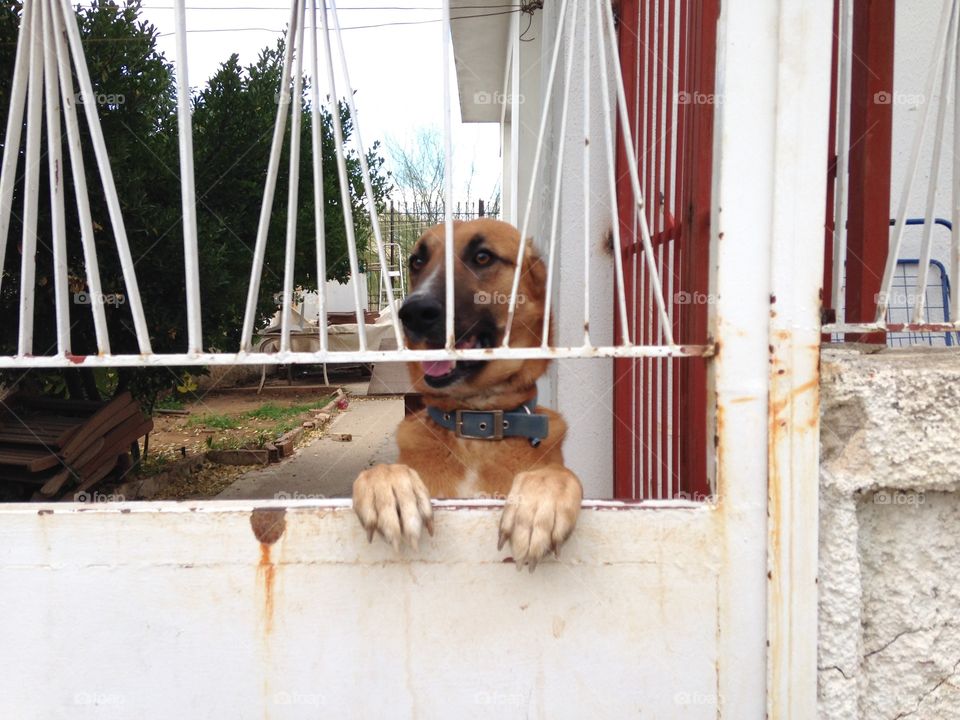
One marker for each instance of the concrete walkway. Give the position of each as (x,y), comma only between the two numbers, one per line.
(327,468)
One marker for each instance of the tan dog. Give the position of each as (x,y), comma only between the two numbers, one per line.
(542,496)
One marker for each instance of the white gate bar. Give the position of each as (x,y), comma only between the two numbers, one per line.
(367,184)
(586,173)
(552,253)
(11,143)
(367,356)
(624,117)
(514,53)
(448,178)
(90,262)
(293,182)
(913,165)
(955,214)
(845,60)
(106,178)
(344,184)
(318,199)
(534,174)
(611,178)
(266,207)
(31,187)
(51,88)
(920,288)
(191,263)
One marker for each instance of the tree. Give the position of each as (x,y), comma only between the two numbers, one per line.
(233,120)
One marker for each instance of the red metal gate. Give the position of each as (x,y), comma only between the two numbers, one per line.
(668,55)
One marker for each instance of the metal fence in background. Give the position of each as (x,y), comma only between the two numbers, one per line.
(402,224)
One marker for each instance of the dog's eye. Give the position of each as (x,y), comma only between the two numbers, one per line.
(483,258)
(416,262)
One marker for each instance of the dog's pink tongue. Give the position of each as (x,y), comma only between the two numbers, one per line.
(437,368)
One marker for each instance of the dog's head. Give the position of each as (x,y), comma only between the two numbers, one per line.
(485,257)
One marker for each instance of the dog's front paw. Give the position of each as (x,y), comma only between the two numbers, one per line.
(540,513)
(393,501)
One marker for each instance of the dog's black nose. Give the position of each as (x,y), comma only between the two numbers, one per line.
(422,314)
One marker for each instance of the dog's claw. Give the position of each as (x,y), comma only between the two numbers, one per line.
(392,501)
(540,513)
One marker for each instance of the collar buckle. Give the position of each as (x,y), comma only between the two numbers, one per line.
(495,432)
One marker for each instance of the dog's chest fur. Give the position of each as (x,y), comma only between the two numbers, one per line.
(458,467)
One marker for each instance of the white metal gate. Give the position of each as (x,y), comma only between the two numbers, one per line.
(658,609)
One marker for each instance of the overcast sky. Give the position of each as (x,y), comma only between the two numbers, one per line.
(395,69)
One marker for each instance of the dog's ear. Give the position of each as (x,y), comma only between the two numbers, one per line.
(535,271)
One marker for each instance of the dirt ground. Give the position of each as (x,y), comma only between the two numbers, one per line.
(203,427)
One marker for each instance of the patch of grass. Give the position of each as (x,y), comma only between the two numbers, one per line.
(221,422)
(169,403)
(272,411)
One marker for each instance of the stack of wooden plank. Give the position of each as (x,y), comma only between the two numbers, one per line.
(55,445)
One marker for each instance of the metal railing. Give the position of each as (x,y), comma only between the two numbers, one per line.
(585,30)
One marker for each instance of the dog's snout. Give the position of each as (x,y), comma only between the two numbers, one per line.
(421,314)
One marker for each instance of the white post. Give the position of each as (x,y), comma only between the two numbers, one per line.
(58,229)
(11,142)
(191,263)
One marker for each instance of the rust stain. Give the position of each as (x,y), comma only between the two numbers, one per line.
(267,571)
(43,511)
(268,524)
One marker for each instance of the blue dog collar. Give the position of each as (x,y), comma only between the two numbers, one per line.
(495,424)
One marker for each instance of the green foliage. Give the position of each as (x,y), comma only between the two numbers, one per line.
(233,123)
(214,420)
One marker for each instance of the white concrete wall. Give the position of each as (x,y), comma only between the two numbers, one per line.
(889,637)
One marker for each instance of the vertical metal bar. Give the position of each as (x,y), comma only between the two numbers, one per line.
(608,134)
(845,58)
(367,184)
(266,207)
(586,174)
(448,170)
(800,124)
(558,175)
(635,181)
(293,184)
(106,178)
(344,184)
(51,87)
(28,261)
(534,174)
(955,182)
(91,265)
(316,137)
(191,263)
(11,142)
(514,118)
(920,288)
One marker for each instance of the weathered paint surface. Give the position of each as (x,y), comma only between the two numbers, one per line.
(158,610)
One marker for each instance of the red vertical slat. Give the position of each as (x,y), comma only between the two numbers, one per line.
(871,125)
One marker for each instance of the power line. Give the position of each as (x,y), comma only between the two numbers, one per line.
(353,27)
